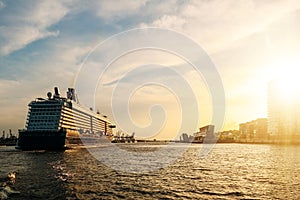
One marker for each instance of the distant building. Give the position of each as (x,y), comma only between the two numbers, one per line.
(186,138)
(283,110)
(228,136)
(254,131)
(205,132)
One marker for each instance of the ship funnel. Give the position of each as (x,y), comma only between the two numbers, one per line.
(56,92)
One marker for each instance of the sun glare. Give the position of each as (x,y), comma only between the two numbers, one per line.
(287,89)
(286,81)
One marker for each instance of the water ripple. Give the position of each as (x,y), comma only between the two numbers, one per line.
(231,171)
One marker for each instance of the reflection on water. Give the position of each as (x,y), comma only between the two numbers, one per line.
(230,171)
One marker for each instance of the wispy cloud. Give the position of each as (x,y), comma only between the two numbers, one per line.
(216,24)
(31,23)
(118,8)
(18,37)
(2,5)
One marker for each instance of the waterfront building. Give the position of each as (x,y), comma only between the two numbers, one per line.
(205,132)
(254,131)
(228,136)
(283,109)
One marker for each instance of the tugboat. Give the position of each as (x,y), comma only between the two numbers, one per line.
(57,123)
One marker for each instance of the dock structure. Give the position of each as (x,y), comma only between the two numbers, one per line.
(9,139)
(123,138)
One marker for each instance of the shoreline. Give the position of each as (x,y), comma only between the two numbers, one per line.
(284,142)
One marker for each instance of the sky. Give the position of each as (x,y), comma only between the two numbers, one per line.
(47,43)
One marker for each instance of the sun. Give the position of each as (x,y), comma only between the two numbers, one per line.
(287,89)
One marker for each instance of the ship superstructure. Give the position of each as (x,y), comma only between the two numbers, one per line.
(57,122)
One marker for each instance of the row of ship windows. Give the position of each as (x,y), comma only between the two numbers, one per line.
(83,122)
(52,119)
(45,113)
(67,112)
(45,110)
(77,125)
(70,120)
(76,117)
(39,120)
(46,105)
(79,114)
(44,117)
(44,126)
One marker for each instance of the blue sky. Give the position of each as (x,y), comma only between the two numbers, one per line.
(44,43)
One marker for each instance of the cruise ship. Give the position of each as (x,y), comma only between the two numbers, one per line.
(56,123)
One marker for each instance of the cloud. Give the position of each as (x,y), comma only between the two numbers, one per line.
(71,52)
(216,24)
(7,85)
(30,23)
(168,21)
(235,34)
(2,5)
(18,37)
(117,8)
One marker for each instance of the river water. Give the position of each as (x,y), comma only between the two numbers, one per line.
(229,171)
